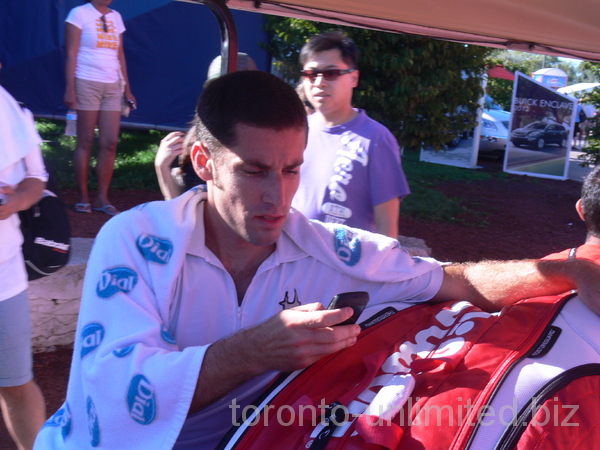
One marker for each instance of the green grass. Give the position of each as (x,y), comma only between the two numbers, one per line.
(134,169)
(134,166)
(428,204)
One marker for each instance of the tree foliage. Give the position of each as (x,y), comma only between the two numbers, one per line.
(591,68)
(424,90)
(528,63)
(591,151)
(502,90)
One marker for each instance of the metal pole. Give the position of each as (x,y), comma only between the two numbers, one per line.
(229,37)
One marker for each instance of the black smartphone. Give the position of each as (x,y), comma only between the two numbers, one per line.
(357,300)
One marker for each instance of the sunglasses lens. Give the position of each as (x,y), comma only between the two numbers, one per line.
(331,74)
(308,74)
(328,75)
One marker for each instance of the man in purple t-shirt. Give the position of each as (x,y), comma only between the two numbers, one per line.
(352,172)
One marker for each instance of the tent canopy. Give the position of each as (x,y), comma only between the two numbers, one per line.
(577,88)
(549,27)
(501,72)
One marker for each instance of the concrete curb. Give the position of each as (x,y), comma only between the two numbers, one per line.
(54,300)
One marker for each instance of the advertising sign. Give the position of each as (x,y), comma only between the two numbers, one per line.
(541,130)
(461,151)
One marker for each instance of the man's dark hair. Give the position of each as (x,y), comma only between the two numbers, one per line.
(590,199)
(329,41)
(248,97)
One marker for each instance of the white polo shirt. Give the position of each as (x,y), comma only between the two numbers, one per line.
(154,299)
(208,310)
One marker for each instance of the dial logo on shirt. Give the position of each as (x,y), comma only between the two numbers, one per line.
(347,246)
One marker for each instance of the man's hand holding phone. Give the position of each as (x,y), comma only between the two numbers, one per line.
(356,300)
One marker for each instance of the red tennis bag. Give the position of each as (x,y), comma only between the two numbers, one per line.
(445,376)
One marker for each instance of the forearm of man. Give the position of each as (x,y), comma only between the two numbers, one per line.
(290,340)
(491,285)
(227,364)
(387,215)
(28,193)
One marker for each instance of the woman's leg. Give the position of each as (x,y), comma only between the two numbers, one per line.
(109,123)
(86,125)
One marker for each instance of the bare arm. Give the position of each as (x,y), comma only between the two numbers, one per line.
(128,95)
(27,194)
(290,340)
(170,147)
(387,215)
(72,39)
(491,285)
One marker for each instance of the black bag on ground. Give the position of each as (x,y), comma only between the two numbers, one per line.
(46,236)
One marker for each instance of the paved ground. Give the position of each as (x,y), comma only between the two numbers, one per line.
(576,172)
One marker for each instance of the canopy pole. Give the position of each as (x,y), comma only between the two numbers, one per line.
(229,36)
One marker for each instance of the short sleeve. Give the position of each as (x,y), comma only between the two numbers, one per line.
(34,165)
(75,18)
(120,25)
(387,177)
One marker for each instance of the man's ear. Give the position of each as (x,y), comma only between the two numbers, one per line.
(579,208)
(202,161)
(355,77)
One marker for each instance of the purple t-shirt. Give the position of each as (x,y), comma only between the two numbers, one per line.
(349,169)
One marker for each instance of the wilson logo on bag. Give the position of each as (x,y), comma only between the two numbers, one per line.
(46,236)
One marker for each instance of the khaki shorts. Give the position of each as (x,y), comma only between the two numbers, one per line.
(98,96)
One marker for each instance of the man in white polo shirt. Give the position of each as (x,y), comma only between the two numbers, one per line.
(192,306)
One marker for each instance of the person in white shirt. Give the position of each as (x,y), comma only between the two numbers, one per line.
(22,181)
(96,81)
(193,305)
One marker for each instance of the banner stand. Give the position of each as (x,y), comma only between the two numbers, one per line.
(541,130)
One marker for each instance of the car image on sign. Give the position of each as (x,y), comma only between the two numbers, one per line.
(539,134)
(494,132)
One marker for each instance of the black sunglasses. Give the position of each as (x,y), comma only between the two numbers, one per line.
(327,74)
(104,26)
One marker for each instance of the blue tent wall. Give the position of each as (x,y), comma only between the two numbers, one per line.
(168,46)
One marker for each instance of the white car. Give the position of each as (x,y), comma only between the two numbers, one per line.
(494,131)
